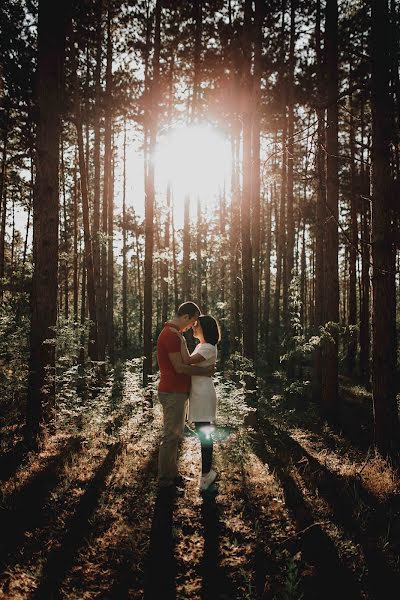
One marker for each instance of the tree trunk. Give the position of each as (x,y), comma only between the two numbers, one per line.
(96,161)
(387,428)
(352,345)
(52,23)
(198,255)
(124,256)
(186,279)
(110,265)
(320,215)
(91,291)
(256,164)
(365,334)
(290,238)
(103,325)
(330,396)
(233,251)
(75,262)
(149,204)
(247,109)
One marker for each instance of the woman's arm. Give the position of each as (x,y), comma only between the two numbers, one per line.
(187,359)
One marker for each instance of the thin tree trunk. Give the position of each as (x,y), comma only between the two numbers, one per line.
(149,205)
(91,291)
(352,346)
(124,255)
(110,264)
(97,169)
(75,262)
(174,260)
(320,215)
(198,255)
(103,326)
(247,264)
(290,239)
(330,397)
(186,279)
(256,181)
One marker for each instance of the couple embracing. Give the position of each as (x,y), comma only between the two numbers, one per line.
(186,379)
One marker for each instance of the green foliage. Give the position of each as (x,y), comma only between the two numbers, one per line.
(292,580)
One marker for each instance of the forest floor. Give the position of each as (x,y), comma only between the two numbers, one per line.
(299,510)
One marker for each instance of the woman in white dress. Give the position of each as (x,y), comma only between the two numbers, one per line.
(203,398)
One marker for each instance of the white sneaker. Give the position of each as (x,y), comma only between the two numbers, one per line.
(207,480)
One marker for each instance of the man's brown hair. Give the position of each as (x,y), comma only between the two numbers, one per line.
(188,308)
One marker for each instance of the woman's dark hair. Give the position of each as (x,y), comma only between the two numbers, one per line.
(188,308)
(210,328)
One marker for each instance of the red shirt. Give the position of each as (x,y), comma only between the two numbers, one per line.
(170,381)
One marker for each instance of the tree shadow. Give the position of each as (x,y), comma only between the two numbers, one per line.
(27,506)
(10,461)
(215,583)
(344,495)
(76,530)
(332,578)
(354,424)
(160,571)
(124,578)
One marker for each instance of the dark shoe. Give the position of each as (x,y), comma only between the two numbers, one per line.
(180,480)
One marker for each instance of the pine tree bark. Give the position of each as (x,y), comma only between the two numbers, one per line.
(149,204)
(365,334)
(386,418)
(103,325)
(320,214)
(256,163)
(186,279)
(52,24)
(88,250)
(290,238)
(330,398)
(75,260)
(233,251)
(247,109)
(96,163)
(110,264)
(124,255)
(352,345)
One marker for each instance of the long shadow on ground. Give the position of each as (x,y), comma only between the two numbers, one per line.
(215,584)
(332,578)
(161,565)
(76,529)
(341,494)
(26,509)
(11,460)
(126,578)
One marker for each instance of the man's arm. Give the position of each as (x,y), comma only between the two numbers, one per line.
(180,367)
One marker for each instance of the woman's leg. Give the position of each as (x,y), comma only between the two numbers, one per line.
(203,430)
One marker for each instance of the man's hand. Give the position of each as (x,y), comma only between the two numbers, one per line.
(209,371)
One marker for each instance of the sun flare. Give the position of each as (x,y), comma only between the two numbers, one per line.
(195,160)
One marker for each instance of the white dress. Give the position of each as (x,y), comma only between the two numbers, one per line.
(202,398)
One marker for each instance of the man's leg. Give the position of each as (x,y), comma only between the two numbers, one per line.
(174,410)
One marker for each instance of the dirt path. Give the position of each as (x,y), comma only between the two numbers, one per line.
(83,519)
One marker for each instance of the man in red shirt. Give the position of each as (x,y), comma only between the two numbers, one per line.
(174,389)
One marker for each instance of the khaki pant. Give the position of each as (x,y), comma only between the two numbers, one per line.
(174,406)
